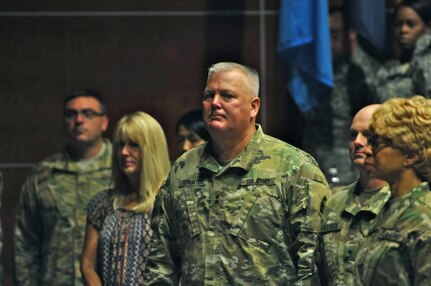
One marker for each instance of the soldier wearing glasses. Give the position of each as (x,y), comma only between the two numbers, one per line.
(50,218)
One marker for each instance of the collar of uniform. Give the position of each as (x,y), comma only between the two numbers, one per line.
(400,204)
(423,44)
(375,205)
(244,160)
(67,164)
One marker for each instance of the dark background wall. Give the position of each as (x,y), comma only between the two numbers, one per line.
(141,55)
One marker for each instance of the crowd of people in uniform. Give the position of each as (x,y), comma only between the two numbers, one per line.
(239,207)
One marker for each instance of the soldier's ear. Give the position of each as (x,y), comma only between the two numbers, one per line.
(255,105)
(105,123)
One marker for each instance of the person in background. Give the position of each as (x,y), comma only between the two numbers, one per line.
(191,131)
(410,73)
(397,250)
(327,125)
(243,208)
(118,223)
(350,211)
(50,216)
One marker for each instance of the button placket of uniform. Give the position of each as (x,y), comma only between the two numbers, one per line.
(213,232)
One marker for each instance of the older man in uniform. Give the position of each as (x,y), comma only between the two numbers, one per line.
(50,218)
(243,208)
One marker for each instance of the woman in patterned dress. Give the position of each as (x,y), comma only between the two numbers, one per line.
(118,220)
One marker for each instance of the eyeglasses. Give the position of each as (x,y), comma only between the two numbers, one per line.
(377,143)
(71,114)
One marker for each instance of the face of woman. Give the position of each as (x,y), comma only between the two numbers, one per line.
(384,162)
(129,158)
(187,140)
(408,28)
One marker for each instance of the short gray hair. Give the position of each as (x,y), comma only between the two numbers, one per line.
(250,73)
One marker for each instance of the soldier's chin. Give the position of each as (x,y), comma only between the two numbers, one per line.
(358,161)
(80,141)
(406,45)
(215,126)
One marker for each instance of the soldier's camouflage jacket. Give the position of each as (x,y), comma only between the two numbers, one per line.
(253,221)
(422,57)
(404,80)
(345,224)
(398,248)
(51,218)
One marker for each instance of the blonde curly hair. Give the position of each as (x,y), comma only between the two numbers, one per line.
(406,122)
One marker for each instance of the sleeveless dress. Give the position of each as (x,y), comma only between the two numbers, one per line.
(123,242)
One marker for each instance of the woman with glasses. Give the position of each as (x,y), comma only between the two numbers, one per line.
(398,248)
(118,220)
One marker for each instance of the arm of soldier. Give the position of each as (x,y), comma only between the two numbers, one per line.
(163,261)
(89,257)
(422,260)
(309,192)
(320,265)
(27,236)
(320,256)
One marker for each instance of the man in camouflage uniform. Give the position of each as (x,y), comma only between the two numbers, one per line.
(349,212)
(51,216)
(241,209)
(327,125)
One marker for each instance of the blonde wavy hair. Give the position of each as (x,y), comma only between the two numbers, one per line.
(406,122)
(146,132)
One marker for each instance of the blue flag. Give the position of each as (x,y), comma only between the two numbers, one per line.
(369,20)
(305,49)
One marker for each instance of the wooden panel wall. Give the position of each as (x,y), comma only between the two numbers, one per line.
(141,55)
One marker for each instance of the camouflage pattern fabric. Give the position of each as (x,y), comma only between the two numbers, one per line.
(394,79)
(326,132)
(253,221)
(398,249)
(51,218)
(422,58)
(345,224)
(367,63)
(398,80)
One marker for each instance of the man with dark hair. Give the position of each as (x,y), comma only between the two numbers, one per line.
(242,209)
(50,218)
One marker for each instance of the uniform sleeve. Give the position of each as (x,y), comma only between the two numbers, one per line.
(422,260)
(163,261)
(28,232)
(309,193)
